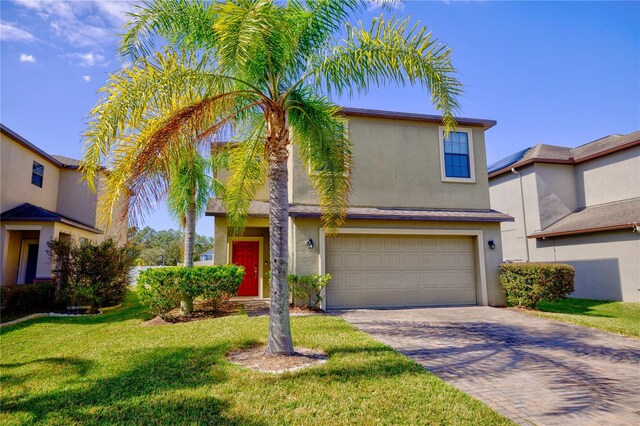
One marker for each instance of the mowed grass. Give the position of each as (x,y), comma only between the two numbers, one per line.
(110,369)
(618,317)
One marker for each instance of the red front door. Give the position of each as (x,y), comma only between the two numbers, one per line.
(245,253)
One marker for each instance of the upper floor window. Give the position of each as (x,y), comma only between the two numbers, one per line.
(457,156)
(37,174)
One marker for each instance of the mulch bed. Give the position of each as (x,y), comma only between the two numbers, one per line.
(252,308)
(255,358)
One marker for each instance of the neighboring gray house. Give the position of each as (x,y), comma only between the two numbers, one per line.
(575,205)
(206,256)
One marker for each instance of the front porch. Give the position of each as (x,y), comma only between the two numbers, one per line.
(251,250)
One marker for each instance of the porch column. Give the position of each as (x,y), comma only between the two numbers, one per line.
(44,267)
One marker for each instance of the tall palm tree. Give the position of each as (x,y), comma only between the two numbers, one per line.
(188,192)
(266,69)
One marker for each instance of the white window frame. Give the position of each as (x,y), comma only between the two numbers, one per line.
(472,163)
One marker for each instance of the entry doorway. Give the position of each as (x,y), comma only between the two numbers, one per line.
(28,261)
(247,254)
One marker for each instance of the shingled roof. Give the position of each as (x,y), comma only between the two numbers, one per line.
(623,214)
(29,213)
(543,153)
(261,209)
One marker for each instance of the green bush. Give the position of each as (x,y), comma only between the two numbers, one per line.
(526,284)
(91,274)
(28,298)
(162,289)
(308,288)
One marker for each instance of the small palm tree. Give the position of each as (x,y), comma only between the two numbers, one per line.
(265,69)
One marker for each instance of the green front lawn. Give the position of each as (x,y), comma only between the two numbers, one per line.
(618,317)
(111,369)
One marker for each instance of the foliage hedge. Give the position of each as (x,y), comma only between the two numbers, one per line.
(28,298)
(308,288)
(526,284)
(91,274)
(162,289)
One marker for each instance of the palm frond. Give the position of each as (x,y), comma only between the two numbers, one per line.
(184,23)
(247,166)
(319,131)
(391,51)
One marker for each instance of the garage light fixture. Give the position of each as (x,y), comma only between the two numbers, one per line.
(310,244)
(492,245)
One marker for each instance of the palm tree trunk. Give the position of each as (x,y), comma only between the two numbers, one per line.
(186,304)
(279,342)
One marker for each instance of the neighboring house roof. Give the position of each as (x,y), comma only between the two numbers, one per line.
(409,116)
(562,155)
(210,251)
(603,217)
(68,162)
(261,209)
(29,213)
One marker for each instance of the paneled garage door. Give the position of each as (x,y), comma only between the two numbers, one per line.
(389,270)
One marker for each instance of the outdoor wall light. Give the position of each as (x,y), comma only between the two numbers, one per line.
(492,245)
(310,244)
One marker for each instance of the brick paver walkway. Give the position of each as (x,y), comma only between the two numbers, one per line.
(532,370)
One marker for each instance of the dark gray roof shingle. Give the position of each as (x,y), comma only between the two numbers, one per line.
(261,209)
(29,213)
(603,217)
(561,154)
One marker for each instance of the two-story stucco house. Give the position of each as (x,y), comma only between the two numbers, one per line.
(419,229)
(42,197)
(576,205)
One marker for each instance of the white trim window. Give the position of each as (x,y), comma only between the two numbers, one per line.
(456,156)
(37,174)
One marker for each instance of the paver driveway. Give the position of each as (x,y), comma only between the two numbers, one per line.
(532,370)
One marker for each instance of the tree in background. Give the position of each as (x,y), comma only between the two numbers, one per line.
(165,246)
(266,69)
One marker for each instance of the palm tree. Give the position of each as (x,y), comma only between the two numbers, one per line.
(189,189)
(266,69)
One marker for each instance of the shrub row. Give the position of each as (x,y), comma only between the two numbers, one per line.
(308,288)
(91,274)
(162,289)
(525,284)
(28,298)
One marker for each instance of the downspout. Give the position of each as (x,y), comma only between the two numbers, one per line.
(524,213)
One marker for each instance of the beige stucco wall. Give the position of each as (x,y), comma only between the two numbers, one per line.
(397,164)
(15,178)
(556,187)
(75,199)
(611,178)
(607,263)
(507,192)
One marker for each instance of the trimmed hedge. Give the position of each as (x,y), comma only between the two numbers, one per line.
(162,289)
(28,298)
(526,284)
(308,288)
(91,274)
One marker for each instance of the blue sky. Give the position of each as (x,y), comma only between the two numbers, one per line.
(562,73)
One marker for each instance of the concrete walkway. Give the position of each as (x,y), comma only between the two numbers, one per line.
(532,370)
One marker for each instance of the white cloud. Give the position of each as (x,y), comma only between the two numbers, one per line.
(27,58)
(11,32)
(81,23)
(88,59)
(86,78)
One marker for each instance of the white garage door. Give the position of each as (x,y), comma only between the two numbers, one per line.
(389,270)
